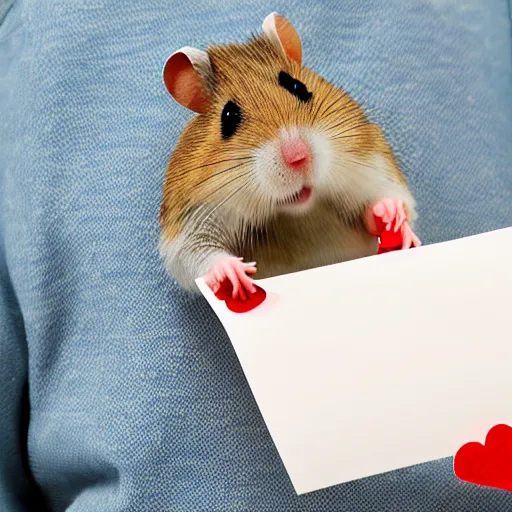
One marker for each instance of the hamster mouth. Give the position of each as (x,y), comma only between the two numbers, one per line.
(300,197)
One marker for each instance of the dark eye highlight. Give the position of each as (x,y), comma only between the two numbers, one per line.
(294,86)
(230,119)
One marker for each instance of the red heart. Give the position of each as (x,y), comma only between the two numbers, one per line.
(389,240)
(489,464)
(225,290)
(238,305)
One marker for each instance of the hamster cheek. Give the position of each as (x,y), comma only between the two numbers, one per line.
(323,159)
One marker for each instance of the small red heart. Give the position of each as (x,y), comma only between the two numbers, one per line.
(490,464)
(225,290)
(389,240)
(238,305)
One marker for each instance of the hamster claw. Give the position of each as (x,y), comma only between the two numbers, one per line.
(387,219)
(235,271)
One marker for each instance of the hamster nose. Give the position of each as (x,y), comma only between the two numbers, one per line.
(296,154)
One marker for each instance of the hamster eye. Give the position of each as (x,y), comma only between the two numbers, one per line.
(230,119)
(294,86)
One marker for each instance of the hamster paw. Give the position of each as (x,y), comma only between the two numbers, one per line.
(387,218)
(234,272)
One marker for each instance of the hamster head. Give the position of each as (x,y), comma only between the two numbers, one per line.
(272,137)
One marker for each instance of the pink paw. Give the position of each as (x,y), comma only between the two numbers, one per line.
(388,219)
(233,270)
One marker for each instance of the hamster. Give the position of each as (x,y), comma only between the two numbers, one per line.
(279,172)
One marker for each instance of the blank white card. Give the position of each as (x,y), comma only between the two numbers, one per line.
(381,363)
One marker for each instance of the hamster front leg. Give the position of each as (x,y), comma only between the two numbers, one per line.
(230,268)
(193,254)
(391,213)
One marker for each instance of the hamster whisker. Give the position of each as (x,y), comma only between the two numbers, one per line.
(218,173)
(320,105)
(346,136)
(227,183)
(224,201)
(339,135)
(248,157)
(355,162)
(346,121)
(347,108)
(187,170)
(243,157)
(202,213)
(209,234)
(355,108)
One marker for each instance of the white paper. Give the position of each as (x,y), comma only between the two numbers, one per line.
(380,363)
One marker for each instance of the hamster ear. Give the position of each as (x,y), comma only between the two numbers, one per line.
(185,74)
(283,35)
